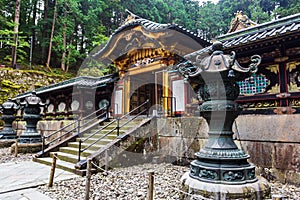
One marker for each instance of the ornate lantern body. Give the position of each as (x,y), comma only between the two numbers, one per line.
(9,109)
(31,115)
(220,161)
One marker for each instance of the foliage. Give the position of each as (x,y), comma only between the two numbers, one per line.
(90,71)
(7,39)
(287,7)
(82,25)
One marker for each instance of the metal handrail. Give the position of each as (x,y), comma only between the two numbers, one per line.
(129,113)
(115,128)
(77,127)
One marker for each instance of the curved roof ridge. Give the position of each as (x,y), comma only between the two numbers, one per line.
(134,20)
(83,81)
(262,27)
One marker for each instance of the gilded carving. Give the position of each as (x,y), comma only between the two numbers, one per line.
(294,76)
(262,104)
(275,89)
(291,66)
(273,68)
(295,102)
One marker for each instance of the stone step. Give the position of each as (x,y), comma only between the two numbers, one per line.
(95,147)
(131,123)
(67,157)
(67,166)
(111,136)
(103,141)
(74,151)
(109,128)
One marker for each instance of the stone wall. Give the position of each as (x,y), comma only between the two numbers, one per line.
(272,141)
(131,148)
(45,127)
(181,137)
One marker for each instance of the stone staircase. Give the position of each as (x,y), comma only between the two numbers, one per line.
(68,155)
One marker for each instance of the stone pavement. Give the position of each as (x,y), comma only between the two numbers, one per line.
(18,180)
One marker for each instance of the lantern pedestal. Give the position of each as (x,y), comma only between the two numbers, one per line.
(8,133)
(30,135)
(221,169)
(196,189)
(31,115)
(9,109)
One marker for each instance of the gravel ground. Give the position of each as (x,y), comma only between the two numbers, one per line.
(129,183)
(6,156)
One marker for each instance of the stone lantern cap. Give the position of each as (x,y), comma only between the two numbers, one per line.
(218,62)
(33,99)
(9,105)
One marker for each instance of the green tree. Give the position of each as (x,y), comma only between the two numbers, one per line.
(213,25)
(287,7)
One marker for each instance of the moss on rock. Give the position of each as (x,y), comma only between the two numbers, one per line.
(14,82)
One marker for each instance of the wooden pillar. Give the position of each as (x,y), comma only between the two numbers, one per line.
(165,89)
(283,79)
(283,83)
(127,95)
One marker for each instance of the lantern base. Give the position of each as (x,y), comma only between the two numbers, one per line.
(29,139)
(196,189)
(8,135)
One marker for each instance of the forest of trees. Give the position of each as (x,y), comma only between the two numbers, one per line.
(72,28)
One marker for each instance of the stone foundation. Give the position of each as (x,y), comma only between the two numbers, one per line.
(44,127)
(202,190)
(26,148)
(272,141)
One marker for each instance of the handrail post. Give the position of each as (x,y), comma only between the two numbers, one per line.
(78,131)
(147,111)
(118,126)
(79,150)
(172,114)
(107,113)
(78,126)
(43,144)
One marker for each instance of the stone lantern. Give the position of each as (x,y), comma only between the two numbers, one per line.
(221,169)
(32,109)
(8,109)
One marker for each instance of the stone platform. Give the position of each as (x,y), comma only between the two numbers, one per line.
(6,143)
(196,189)
(26,148)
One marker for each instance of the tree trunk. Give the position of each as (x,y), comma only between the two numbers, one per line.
(82,39)
(44,31)
(34,14)
(51,37)
(16,30)
(69,55)
(63,57)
